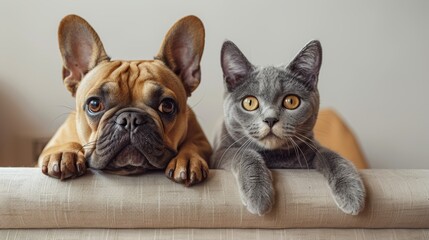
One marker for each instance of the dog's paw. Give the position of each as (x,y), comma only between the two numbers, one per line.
(349,195)
(187,169)
(64,165)
(259,198)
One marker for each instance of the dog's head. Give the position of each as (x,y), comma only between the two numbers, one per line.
(131,115)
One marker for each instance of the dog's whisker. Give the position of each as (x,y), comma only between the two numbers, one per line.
(64,106)
(87,146)
(60,116)
(196,104)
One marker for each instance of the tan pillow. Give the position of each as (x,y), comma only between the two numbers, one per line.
(332,132)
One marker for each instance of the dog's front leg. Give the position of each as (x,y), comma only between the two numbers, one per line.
(189,166)
(63,156)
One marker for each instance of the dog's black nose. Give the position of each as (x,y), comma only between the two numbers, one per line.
(130,120)
(271,121)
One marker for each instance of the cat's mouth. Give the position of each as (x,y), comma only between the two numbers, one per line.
(271,140)
(270,135)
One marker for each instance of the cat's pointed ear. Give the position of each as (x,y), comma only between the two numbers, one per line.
(307,63)
(80,48)
(235,65)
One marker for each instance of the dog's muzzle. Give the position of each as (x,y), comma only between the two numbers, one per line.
(130,143)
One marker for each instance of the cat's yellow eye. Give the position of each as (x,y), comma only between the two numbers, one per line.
(250,103)
(291,102)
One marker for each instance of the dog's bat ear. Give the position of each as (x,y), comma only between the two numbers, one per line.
(81,50)
(182,50)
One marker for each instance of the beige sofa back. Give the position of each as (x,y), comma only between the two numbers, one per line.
(28,199)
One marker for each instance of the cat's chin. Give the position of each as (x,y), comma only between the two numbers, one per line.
(271,141)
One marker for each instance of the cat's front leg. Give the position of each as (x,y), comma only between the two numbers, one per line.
(343,178)
(254,181)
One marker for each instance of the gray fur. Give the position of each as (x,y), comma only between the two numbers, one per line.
(249,147)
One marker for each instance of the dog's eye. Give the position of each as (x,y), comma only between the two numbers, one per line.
(291,102)
(167,106)
(95,105)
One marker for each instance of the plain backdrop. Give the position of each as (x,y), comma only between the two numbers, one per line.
(374,71)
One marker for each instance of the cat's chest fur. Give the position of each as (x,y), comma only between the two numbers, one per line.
(301,158)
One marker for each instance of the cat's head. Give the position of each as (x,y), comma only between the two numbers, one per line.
(273,106)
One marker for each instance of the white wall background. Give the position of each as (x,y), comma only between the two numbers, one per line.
(375,69)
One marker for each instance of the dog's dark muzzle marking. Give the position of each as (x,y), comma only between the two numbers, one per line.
(131,143)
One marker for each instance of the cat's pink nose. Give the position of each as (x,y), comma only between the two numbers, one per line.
(271,121)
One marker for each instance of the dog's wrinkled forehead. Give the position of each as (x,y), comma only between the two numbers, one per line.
(132,80)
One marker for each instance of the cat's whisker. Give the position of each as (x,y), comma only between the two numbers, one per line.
(304,139)
(253,128)
(219,162)
(247,142)
(294,146)
(321,132)
(245,147)
(223,138)
(287,143)
(311,144)
(240,149)
(226,136)
(310,141)
(303,154)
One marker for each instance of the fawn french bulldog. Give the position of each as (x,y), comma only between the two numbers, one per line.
(131,116)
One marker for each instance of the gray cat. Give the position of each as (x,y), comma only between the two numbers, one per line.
(269,117)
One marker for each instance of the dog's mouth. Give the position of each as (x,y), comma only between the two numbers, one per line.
(129,161)
(126,149)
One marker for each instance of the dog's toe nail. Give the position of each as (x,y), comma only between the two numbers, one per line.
(44,169)
(183,175)
(56,168)
(204,173)
(170,173)
(81,168)
(193,177)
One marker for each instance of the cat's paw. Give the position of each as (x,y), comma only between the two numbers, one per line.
(258,198)
(255,182)
(349,194)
